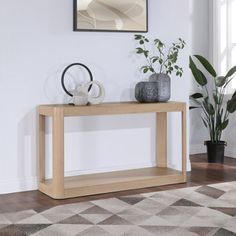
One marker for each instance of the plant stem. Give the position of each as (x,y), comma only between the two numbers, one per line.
(148,59)
(167,58)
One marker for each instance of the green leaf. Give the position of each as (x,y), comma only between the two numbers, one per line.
(158,43)
(195,101)
(141,42)
(218,119)
(206,64)
(205,123)
(223,125)
(197,73)
(234,95)
(216,99)
(220,81)
(146,53)
(231,105)
(208,107)
(139,50)
(137,36)
(192,107)
(154,60)
(145,70)
(203,76)
(151,69)
(196,95)
(231,72)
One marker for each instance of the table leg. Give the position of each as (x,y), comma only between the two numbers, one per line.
(41,148)
(58,152)
(161,137)
(184,153)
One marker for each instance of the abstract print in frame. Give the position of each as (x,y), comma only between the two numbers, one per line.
(111,15)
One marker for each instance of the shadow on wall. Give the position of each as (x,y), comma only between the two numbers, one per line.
(27,150)
(174,145)
(85,139)
(128,94)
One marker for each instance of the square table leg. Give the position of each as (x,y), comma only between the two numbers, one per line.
(58,152)
(184,142)
(161,139)
(41,148)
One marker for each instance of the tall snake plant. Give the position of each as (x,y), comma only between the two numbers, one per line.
(211,99)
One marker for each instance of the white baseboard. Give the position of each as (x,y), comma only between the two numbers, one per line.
(18,185)
(189,168)
(230,152)
(197,149)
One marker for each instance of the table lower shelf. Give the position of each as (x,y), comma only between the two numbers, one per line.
(84,185)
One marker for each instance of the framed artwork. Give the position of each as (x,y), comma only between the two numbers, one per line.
(111,15)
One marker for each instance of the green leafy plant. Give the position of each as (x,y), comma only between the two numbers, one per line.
(166,59)
(216,108)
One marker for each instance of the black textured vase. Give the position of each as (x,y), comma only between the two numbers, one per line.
(157,89)
(146,92)
(163,81)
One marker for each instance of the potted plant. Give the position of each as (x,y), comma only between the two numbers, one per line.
(162,63)
(214,104)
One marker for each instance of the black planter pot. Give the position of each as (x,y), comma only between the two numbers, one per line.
(215,151)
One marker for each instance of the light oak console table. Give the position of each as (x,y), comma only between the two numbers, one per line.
(61,187)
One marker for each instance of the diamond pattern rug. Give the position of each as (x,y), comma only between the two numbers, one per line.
(196,211)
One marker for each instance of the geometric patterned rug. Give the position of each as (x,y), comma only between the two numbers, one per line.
(195,211)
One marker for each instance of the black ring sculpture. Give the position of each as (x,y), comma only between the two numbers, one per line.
(66,69)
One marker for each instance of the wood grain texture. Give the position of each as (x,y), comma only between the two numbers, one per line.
(184,143)
(133,179)
(41,148)
(58,152)
(117,181)
(161,138)
(112,108)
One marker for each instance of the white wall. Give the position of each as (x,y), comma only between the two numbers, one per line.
(36,43)
(199,38)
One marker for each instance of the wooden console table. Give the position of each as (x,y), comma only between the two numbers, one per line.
(60,187)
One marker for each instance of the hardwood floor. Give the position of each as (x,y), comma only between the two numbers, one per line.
(202,173)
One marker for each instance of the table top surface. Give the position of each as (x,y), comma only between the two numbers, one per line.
(111,108)
(114,104)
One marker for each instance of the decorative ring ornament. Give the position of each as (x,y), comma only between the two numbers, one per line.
(66,69)
(100,97)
